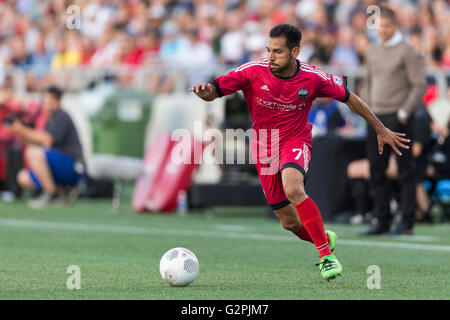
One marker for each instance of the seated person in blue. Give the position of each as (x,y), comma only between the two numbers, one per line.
(325,116)
(51,154)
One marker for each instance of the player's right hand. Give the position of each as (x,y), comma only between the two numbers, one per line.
(206,91)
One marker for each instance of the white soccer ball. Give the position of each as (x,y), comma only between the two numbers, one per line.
(179,267)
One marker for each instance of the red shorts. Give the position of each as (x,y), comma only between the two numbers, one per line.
(291,155)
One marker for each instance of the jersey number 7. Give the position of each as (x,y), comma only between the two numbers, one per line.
(299,153)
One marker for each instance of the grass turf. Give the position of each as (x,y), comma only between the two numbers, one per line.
(242,254)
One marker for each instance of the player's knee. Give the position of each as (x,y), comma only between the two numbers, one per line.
(295,193)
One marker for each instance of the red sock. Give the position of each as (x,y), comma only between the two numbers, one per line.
(303,234)
(311,219)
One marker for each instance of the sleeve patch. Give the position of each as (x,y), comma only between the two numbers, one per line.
(337,80)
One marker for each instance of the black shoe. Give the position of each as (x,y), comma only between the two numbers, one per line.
(402,230)
(375,230)
(427,218)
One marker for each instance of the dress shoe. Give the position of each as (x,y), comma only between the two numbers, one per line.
(375,230)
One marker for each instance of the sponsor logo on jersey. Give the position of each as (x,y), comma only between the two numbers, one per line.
(302,95)
(279,106)
(265,87)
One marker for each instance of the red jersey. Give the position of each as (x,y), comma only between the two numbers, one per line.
(282,103)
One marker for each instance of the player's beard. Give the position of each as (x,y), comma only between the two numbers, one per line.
(279,70)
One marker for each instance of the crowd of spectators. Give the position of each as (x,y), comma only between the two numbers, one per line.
(42,36)
(202,38)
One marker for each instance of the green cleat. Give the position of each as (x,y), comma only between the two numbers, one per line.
(329,267)
(333,239)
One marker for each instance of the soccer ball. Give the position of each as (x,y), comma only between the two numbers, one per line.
(179,267)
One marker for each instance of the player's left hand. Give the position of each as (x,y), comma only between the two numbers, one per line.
(394,139)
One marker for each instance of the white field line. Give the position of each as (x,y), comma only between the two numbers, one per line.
(232,227)
(417,237)
(36,224)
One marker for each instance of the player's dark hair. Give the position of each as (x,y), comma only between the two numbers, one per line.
(292,35)
(388,13)
(55,92)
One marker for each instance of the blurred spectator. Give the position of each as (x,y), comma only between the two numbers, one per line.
(107,49)
(256,42)
(358,173)
(308,44)
(95,18)
(138,32)
(171,46)
(87,50)
(41,58)
(271,10)
(171,41)
(9,107)
(156,13)
(31,34)
(396,84)
(19,56)
(344,54)
(130,54)
(358,20)
(51,154)
(361,43)
(441,156)
(325,45)
(232,42)
(196,59)
(421,150)
(139,21)
(325,116)
(150,44)
(415,39)
(67,53)
(446,49)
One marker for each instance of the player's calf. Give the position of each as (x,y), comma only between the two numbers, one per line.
(290,226)
(288,218)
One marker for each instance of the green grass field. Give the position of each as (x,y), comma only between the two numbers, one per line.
(242,255)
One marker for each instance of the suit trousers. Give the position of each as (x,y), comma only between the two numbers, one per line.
(406,173)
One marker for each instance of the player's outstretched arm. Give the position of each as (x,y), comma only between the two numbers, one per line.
(384,135)
(206,91)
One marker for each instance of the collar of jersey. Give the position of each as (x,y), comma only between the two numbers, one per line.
(286,78)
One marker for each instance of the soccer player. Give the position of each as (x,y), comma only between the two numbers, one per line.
(279,91)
